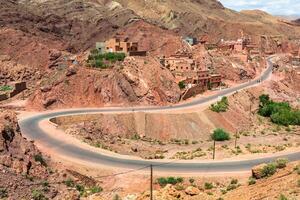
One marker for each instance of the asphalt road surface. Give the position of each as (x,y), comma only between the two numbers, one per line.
(30,128)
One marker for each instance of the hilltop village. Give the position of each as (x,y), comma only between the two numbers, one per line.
(188,65)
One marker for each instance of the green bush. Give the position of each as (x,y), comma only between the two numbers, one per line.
(69,182)
(80,189)
(39,158)
(169,180)
(234,181)
(281,163)
(38,195)
(3,193)
(220,135)
(96,189)
(208,186)
(5,88)
(251,181)
(181,85)
(220,106)
(268,170)
(280,112)
(282,197)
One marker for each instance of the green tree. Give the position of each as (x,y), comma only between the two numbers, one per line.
(220,135)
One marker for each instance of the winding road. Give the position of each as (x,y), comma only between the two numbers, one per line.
(30,127)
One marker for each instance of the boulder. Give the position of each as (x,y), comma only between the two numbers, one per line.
(71,71)
(192,191)
(257,171)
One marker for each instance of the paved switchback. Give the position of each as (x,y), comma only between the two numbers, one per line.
(31,129)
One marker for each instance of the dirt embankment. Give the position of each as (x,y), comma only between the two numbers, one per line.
(26,174)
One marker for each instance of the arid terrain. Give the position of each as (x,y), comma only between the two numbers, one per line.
(48,45)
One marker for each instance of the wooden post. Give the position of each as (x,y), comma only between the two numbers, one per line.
(214,152)
(151,182)
(236,136)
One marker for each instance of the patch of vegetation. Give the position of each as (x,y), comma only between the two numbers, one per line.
(234,181)
(280,113)
(38,195)
(6,88)
(96,189)
(104,60)
(192,181)
(220,135)
(39,158)
(135,137)
(220,106)
(268,170)
(69,182)
(281,163)
(162,181)
(208,186)
(282,197)
(181,85)
(3,193)
(80,189)
(251,181)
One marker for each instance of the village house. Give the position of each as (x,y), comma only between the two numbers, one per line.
(181,64)
(119,45)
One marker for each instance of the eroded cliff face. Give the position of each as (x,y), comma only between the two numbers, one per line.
(136,81)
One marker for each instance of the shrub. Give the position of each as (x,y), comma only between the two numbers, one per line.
(191,180)
(3,193)
(38,195)
(96,189)
(208,186)
(69,182)
(231,187)
(80,189)
(39,158)
(281,163)
(268,170)
(251,181)
(282,197)
(220,106)
(181,85)
(5,88)
(234,181)
(169,180)
(220,135)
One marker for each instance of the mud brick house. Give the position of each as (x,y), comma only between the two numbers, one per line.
(181,64)
(234,45)
(18,87)
(215,80)
(120,45)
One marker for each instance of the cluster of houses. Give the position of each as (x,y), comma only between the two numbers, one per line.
(188,71)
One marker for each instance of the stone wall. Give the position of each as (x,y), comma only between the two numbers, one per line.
(198,89)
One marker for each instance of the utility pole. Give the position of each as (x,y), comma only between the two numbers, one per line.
(214,152)
(151,182)
(236,136)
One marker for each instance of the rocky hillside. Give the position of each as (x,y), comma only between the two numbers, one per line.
(26,174)
(81,23)
(137,80)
